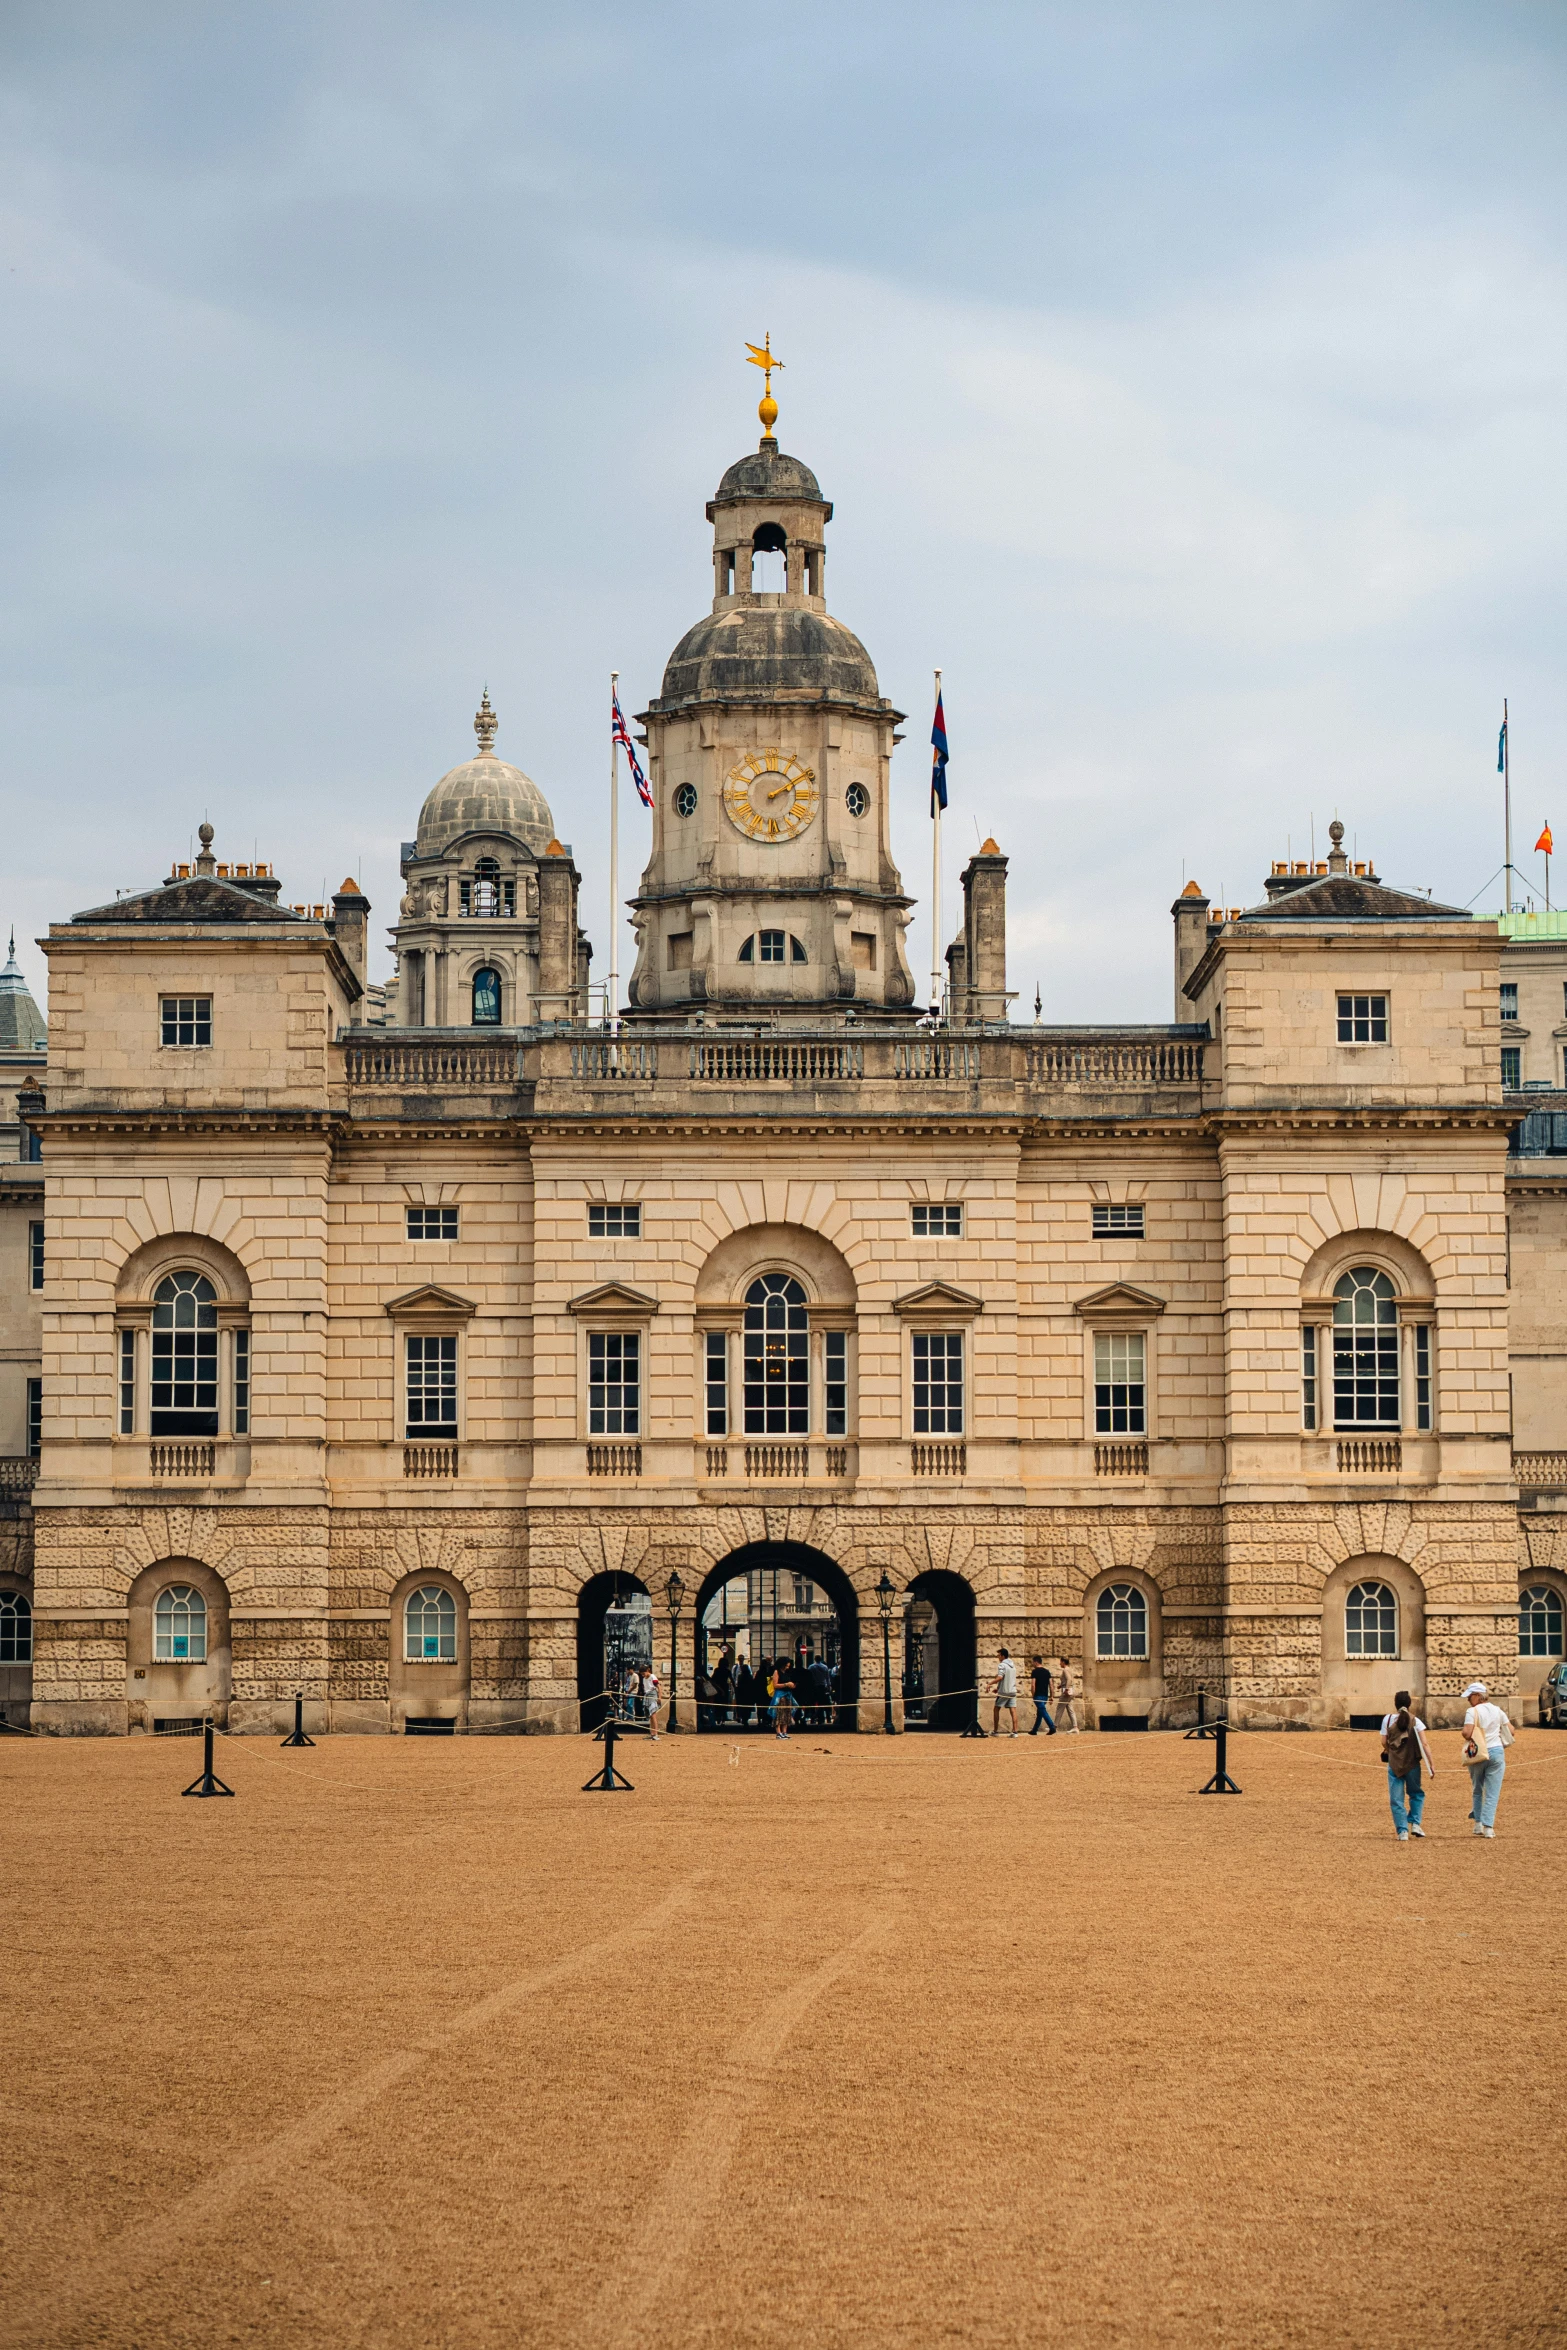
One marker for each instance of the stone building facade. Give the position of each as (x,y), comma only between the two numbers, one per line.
(390,1344)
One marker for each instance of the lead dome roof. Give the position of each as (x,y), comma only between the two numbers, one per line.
(768,473)
(484,794)
(755,653)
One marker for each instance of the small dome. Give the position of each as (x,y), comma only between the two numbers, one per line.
(754,652)
(23,1027)
(767,473)
(484,794)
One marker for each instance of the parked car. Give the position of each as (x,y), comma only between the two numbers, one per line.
(1553,1698)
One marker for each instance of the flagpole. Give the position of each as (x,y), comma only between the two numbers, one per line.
(1507,802)
(613,1005)
(935,895)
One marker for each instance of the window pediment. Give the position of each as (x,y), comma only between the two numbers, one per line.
(430,1306)
(614,1301)
(1119,1306)
(938,1301)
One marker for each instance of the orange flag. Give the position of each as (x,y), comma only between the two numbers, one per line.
(1544,841)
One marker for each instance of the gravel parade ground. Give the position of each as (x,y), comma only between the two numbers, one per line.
(854,2041)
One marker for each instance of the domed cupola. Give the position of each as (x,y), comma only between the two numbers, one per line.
(771,889)
(484,794)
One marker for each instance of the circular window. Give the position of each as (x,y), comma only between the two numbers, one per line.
(685,800)
(857,798)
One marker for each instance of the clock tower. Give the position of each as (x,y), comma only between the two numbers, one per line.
(770,892)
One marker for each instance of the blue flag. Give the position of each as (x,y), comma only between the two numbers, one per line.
(1501,748)
(938,761)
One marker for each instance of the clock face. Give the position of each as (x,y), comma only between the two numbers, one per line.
(771,796)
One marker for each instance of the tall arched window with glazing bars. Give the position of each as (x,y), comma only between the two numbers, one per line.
(777,1358)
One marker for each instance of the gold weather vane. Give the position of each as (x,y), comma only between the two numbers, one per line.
(762,356)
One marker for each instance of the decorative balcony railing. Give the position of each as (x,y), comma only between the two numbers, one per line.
(18,1475)
(1546,1472)
(1370,1456)
(775,1060)
(938,1460)
(763,1463)
(1128,1459)
(938,1056)
(1111,1062)
(614,1460)
(183,1459)
(424,1064)
(437,1462)
(602,1059)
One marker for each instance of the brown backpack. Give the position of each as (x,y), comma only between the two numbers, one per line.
(1402,1749)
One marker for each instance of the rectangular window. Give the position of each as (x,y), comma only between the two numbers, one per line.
(432,1386)
(1120,1388)
(1111,1219)
(1308,1376)
(432,1223)
(1512,1068)
(938,1382)
(35,1417)
(1422,1375)
(35,1253)
(242,1382)
(465,897)
(717,1383)
(127,1382)
(770,946)
(615,1220)
(614,1368)
(937,1219)
(1362,1019)
(186,1019)
(1509,999)
(835,1392)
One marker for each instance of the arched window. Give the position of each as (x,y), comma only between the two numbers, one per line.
(486,997)
(769,560)
(430,1626)
(16,1628)
(1539,1621)
(184,1400)
(179,1626)
(1365,1351)
(1370,1621)
(1121,1621)
(777,1358)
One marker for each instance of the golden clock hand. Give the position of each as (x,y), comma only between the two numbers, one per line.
(779,793)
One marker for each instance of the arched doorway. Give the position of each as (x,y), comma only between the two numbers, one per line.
(773,1599)
(940,1653)
(614,1631)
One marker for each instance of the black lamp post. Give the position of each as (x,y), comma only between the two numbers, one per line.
(886,1593)
(674,1594)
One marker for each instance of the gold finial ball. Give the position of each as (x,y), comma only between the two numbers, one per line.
(767,410)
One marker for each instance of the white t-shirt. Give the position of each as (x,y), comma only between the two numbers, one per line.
(1006,1679)
(1485,1722)
(1389,1719)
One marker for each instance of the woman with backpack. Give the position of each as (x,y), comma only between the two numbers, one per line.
(1487,1735)
(1404,1749)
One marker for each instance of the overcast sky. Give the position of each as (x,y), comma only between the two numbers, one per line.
(1189,381)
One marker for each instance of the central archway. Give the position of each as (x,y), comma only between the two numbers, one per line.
(798,1603)
(614,1631)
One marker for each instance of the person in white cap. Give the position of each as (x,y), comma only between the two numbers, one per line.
(1487,1735)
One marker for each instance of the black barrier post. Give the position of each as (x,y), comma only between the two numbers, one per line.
(299,1738)
(1204,1728)
(608,1780)
(208,1783)
(1221,1783)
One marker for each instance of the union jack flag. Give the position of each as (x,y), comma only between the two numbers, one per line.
(617,728)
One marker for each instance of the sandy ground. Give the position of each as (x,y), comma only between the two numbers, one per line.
(857,2041)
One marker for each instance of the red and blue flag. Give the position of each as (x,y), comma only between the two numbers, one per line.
(938,761)
(618,733)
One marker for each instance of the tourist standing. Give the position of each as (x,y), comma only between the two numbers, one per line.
(1404,1749)
(1042,1698)
(783,1699)
(632,1695)
(1487,1735)
(652,1697)
(1006,1695)
(1066,1701)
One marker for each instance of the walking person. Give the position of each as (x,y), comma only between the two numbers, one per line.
(1006,1695)
(1066,1701)
(1042,1698)
(652,1698)
(1404,1749)
(1487,1735)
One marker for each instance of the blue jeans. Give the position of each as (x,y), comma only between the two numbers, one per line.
(1407,1798)
(1042,1714)
(1486,1780)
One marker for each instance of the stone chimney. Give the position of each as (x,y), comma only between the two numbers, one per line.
(1191,942)
(984,936)
(557,997)
(351,929)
